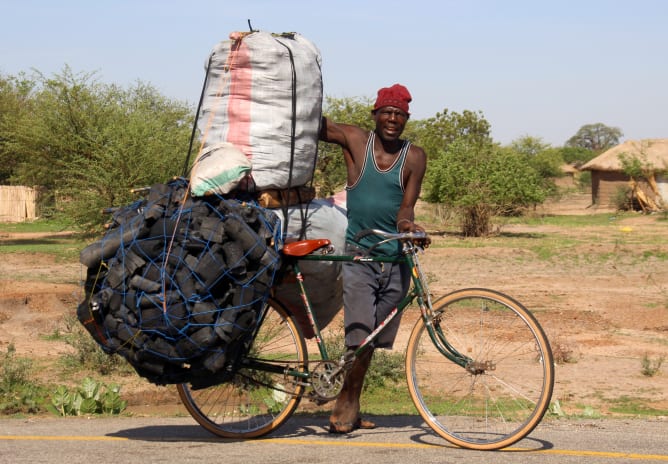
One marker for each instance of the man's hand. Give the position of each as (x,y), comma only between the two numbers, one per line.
(405,225)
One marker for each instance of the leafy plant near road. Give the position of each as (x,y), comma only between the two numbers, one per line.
(91,397)
(19,394)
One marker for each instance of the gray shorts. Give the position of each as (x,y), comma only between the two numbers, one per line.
(370,292)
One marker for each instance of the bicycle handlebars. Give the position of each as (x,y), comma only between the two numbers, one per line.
(405,237)
(390,235)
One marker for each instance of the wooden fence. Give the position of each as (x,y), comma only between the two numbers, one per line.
(17,203)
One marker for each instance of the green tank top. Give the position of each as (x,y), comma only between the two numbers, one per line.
(374,199)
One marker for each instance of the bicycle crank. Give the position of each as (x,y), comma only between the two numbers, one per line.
(327,380)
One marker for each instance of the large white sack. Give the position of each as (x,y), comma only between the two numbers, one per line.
(322,279)
(263,94)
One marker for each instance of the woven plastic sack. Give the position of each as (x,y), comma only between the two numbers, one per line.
(218,170)
(263,94)
(322,279)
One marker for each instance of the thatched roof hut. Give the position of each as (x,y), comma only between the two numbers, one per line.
(652,152)
(609,179)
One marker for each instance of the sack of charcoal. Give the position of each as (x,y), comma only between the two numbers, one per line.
(178,283)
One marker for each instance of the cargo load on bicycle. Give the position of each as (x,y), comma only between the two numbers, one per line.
(178,281)
(180,278)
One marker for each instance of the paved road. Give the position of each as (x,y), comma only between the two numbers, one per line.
(305,440)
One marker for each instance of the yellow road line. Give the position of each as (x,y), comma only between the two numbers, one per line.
(359,444)
(58,438)
(604,454)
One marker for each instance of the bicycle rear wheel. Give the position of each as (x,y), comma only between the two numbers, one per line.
(504,389)
(256,400)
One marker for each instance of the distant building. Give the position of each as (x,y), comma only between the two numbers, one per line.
(608,178)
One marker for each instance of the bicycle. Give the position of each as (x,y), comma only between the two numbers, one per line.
(479,366)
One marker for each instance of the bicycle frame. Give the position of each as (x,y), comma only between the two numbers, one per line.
(478,402)
(418,292)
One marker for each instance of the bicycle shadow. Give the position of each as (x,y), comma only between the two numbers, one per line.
(316,428)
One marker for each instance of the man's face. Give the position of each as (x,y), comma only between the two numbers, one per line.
(390,122)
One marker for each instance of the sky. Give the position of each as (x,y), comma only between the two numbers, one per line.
(532,68)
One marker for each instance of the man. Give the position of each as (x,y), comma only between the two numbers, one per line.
(384,180)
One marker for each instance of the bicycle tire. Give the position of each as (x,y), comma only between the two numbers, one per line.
(500,401)
(255,402)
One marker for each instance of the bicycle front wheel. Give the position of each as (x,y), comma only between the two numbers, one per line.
(262,395)
(501,389)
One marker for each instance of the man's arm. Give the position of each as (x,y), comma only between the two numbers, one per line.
(346,135)
(332,132)
(416,164)
(351,139)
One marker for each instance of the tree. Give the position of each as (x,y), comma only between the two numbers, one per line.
(595,137)
(15,102)
(547,161)
(433,134)
(577,156)
(90,144)
(481,181)
(529,146)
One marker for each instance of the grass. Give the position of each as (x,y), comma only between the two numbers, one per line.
(51,241)
(390,400)
(634,407)
(567,221)
(38,226)
(62,249)
(595,238)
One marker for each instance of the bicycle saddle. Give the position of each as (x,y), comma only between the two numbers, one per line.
(304,247)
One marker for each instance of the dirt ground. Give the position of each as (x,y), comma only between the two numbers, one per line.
(603,315)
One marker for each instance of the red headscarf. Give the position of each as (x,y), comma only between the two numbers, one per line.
(397,96)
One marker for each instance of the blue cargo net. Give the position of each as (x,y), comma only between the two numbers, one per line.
(177,284)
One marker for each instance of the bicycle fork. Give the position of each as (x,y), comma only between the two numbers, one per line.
(431,321)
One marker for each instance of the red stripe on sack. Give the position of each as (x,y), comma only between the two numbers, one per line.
(239,105)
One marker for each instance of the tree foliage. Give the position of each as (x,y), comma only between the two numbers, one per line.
(547,161)
(482,181)
(529,146)
(432,134)
(595,137)
(576,156)
(90,144)
(476,177)
(15,103)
